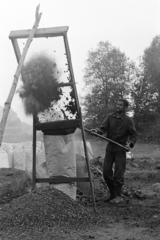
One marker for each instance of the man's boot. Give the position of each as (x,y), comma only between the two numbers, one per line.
(110,197)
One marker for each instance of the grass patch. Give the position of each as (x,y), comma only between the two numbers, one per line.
(145,176)
(146,150)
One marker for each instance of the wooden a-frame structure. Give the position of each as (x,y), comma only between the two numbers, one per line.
(61,125)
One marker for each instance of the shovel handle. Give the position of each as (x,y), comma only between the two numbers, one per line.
(107,139)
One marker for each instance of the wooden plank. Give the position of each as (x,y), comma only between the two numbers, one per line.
(62,179)
(65,84)
(16,49)
(41,32)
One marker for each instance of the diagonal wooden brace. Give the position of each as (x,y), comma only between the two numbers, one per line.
(17,74)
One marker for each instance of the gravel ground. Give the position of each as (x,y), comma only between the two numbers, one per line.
(45,210)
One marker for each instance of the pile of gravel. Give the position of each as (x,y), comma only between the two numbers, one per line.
(46,208)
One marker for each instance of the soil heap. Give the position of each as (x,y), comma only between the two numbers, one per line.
(45,208)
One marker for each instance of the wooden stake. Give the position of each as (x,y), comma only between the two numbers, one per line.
(17,74)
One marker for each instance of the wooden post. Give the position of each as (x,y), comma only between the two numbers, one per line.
(71,68)
(87,159)
(17,74)
(34,155)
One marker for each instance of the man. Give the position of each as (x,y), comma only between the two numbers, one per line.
(121,129)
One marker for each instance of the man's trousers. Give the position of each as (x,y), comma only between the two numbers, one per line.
(114,178)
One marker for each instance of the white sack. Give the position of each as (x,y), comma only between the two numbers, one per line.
(19,159)
(28,161)
(61,160)
(38,145)
(68,189)
(27,145)
(60,155)
(4,162)
(41,157)
(7,147)
(11,159)
(18,146)
(42,146)
(41,172)
(80,149)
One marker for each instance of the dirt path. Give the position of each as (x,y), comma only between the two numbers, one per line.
(125,222)
(119,231)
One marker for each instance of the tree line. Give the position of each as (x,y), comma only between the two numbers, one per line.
(109,75)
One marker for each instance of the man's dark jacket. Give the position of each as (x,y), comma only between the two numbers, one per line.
(119,129)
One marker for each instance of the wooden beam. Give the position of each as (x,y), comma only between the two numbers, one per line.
(41,32)
(87,159)
(16,49)
(62,179)
(63,124)
(69,84)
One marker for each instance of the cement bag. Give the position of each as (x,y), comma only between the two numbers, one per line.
(7,147)
(68,189)
(28,161)
(19,159)
(11,159)
(42,146)
(41,158)
(82,171)
(42,172)
(80,149)
(4,162)
(38,145)
(61,159)
(18,146)
(27,145)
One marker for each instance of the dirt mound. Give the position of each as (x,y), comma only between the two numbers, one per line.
(13,183)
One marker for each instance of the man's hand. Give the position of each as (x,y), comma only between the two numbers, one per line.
(94,131)
(128,147)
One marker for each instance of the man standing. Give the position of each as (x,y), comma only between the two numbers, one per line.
(121,129)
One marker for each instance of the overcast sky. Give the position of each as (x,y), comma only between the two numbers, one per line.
(129,25)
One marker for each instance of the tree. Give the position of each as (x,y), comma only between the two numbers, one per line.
(107,77)
(151,64)
(143,99)
(145,90)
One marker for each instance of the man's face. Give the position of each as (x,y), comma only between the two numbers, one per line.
(120,107)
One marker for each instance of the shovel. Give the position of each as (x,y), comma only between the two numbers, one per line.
(107,139)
